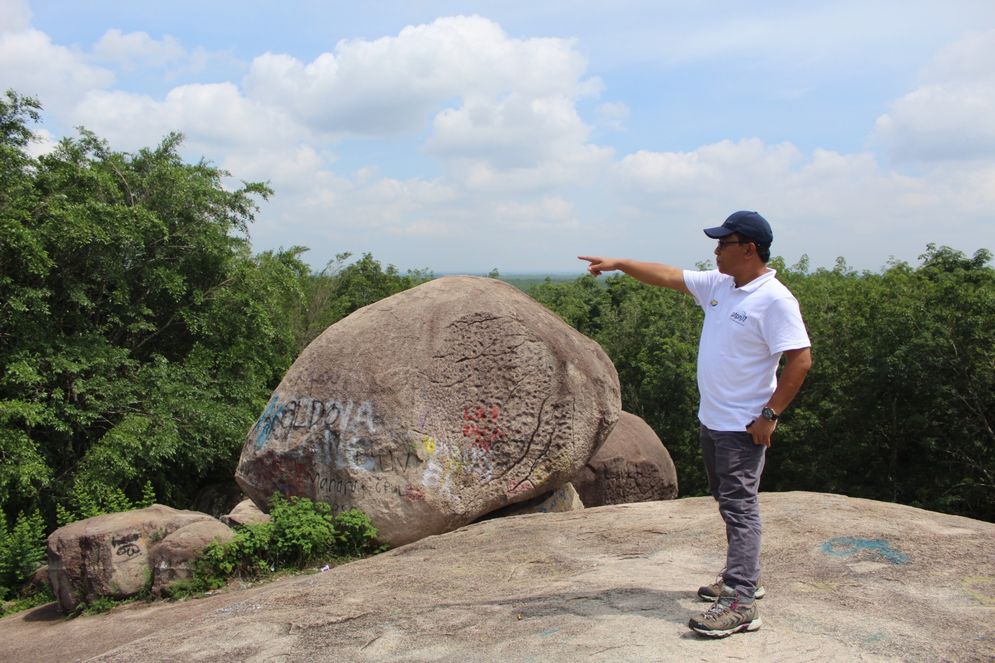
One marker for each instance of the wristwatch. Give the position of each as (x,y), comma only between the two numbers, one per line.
(768,414)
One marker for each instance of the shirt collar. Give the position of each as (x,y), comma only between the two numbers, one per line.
(757,282)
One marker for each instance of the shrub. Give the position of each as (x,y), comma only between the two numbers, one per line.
(301,532)
(355,534)
(22,551)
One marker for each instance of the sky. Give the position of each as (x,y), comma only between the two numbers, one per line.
(517,135)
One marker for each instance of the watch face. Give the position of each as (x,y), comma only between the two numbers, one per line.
(768,414)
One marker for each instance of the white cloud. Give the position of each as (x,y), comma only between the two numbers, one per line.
(44,142)
(515,132)
(15,16)
(721,165)
(137,49)
(394,84)
(215,118)
(952,114)
(825,203)
(31,64)
(613,115)
(514,123)
(549,213)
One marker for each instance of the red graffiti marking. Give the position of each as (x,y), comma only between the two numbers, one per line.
(414,493)
(480,426)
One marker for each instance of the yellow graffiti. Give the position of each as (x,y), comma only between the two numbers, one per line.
(428,444)
(980,588)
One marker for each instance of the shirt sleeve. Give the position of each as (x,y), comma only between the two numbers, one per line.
(700,284)
(783,327)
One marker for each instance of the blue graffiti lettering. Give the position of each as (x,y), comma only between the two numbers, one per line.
(266,422)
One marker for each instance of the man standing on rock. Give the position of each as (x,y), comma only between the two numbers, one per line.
(751,319)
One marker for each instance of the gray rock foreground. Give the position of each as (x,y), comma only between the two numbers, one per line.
(847,580)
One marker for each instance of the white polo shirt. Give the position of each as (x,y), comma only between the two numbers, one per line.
(745,331)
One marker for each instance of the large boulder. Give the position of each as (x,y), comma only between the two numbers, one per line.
(433,407)
(632,465)
(172,558)
(108,555)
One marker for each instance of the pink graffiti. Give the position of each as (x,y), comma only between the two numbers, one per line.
(514,488)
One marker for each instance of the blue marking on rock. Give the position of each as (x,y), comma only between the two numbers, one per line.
(847,546)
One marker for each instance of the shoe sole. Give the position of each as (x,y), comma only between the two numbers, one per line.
(747,626)
(761,592)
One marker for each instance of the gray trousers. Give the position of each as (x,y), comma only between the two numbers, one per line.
(734,465)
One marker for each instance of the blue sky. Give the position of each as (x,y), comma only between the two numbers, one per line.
(462,136)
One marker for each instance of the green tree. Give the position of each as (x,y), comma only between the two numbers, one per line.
(22,551)
(343,287)
(139,337)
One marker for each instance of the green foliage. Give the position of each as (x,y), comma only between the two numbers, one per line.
(355,535)
(302,530)
(139,338)
(898,405)
(22,551)
(344,287)
(300,533)
(25,601)
(97,499)
(99,606)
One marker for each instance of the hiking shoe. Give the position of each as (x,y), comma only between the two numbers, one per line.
(726,616)
(711,592)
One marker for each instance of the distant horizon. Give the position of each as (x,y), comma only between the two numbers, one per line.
(583,271)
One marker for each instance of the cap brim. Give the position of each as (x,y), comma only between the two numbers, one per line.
(720,231)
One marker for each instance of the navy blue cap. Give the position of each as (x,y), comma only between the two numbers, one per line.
(747,224)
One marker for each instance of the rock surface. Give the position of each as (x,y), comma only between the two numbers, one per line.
(633,465)
(433,407)
(847,580)
(564,498)
(171,558)
(245,513)
(108,555)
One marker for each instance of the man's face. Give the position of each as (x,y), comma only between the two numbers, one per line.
(730,253)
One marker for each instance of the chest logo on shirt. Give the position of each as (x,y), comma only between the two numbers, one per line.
(738,317)
(714,302)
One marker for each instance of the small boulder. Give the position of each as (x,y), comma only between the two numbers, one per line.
(433,407)
(39,580)
(633,465)
(245,513)
(172,558)
(564,498)
(108,555)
